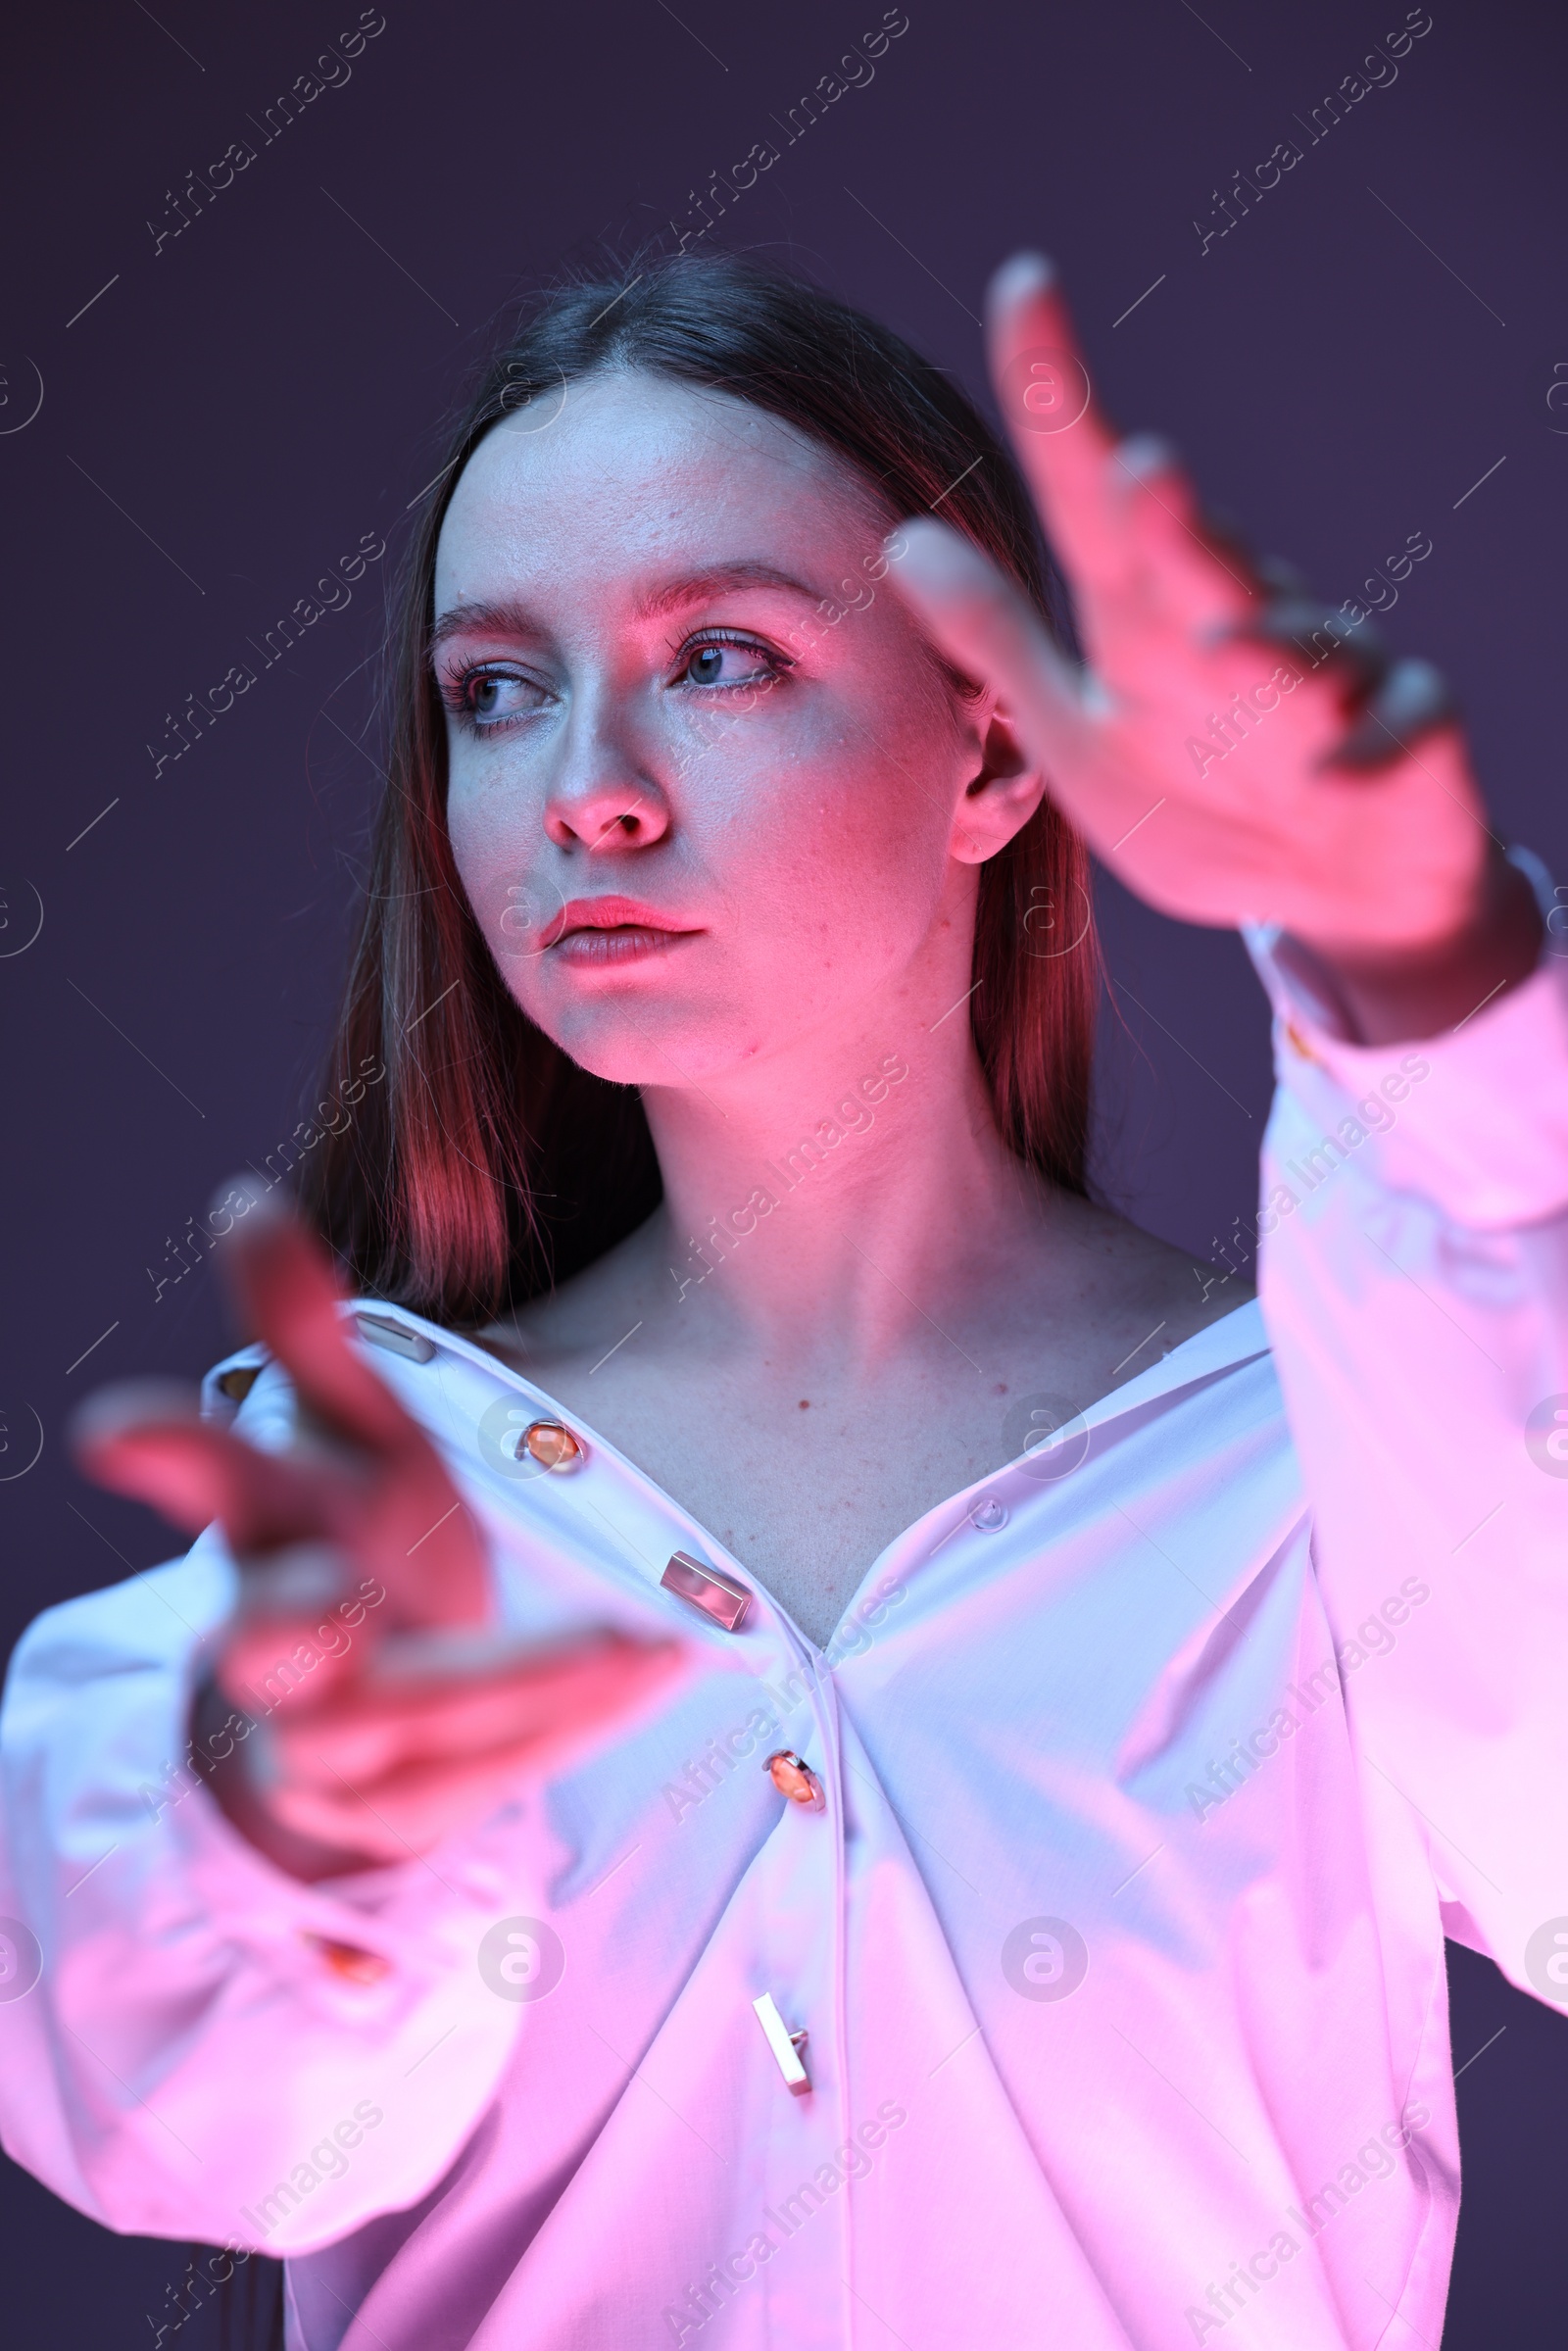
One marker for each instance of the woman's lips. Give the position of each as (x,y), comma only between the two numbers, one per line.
(610,930)
(625,943)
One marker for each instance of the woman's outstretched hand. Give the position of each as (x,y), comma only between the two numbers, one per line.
(1233,752)
(355,1551)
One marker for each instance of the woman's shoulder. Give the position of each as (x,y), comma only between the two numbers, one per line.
(1126,1276)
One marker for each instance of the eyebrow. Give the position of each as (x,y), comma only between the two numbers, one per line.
(719,580)
(510,619)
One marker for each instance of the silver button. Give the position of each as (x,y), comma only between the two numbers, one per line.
(709,1588)
(989,1515)
(785,2045)
(395,1337)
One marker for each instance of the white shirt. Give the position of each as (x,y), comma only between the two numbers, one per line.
(1154,1768)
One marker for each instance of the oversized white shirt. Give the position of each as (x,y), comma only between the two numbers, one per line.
(1154,1768)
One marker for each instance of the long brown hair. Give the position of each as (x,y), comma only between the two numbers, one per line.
(487,1164)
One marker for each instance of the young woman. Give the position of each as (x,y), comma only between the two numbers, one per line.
(784,1731)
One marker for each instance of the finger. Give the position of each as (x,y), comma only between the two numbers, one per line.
(409,1811)
(411,1527)
(417,1798)
(559,1700)
(1412,700)
(1194,573)
(987,628)
(292,1639)
(1318,633)
(1110,509)
(365,1732)
(288,1295)
(281,1663)
(1062,437)
(146,1439)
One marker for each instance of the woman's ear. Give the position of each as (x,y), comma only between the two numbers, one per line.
(1001,798)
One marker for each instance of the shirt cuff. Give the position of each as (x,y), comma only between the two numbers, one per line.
(1474,1119)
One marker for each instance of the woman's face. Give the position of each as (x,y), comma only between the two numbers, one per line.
(709,795)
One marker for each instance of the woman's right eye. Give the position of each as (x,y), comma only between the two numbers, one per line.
(488,698)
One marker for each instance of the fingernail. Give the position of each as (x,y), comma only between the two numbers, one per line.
(1025,274)
(941,552)
(1413,694)
(243,1195)
(131,1404)
(1282,578)
(1144,455)
(296,1580)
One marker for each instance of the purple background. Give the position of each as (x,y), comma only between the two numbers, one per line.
(237,408)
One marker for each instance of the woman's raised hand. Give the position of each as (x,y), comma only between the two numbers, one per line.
(355,1551)
(1232,750)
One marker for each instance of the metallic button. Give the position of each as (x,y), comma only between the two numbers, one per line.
(349,1961)
(709,1588)
(989,1515)
(785,2045)
(793,1778)
(551,1443)
(395,1337)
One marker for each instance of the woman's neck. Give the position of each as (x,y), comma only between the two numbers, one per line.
(816,1210)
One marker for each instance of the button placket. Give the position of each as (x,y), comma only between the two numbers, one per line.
(806,1988)
(825,1698)
(799,1999)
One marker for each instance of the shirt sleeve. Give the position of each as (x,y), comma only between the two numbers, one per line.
(1413,1274)
(193,2044)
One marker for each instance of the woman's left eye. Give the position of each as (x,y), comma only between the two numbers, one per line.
(728,662)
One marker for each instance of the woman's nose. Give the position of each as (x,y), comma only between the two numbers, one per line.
(598,803)
(606,817)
